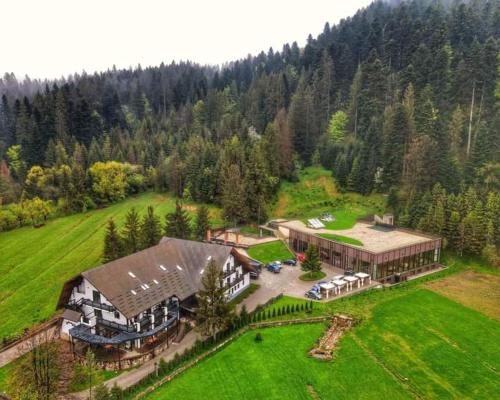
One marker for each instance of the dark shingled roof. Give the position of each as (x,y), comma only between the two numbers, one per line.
(71,315)
(115,283)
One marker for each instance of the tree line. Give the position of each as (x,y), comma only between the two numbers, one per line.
(141,233)
(399,97)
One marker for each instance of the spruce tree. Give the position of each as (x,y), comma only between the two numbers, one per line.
(214,313)
(131,232)
(178,224)
(202,223)
(113,243)
(150,231)
(311,262)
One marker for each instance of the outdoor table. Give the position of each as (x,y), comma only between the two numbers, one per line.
(327,287)
(362,276)
(350,281)
(339,284)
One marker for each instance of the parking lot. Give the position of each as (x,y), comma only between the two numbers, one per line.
(288,283)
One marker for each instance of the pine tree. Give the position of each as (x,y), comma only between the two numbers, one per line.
(202,223)
(214,312)
(178,224)
(131,232)
(394,148)
(233,191)
(311,262)
(113,243)
(150,230)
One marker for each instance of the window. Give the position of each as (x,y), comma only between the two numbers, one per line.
(96,296)
(98,313)
(117,315)
(85,320)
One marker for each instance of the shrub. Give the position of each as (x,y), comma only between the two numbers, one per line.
(258,337)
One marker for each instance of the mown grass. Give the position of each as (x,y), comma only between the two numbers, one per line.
(340,238)
(278,367)
(35,263)
(270,251)
(312,276)
(409,343)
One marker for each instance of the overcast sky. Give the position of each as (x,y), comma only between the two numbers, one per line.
(51,38)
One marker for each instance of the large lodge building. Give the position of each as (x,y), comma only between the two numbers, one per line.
(385,252)
(127,302)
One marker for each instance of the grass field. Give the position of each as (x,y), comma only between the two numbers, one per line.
(312,276)
(270,251)
(340,238)
(316,193)
(34,263)
(452,352)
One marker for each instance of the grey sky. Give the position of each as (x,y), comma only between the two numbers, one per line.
(50,38)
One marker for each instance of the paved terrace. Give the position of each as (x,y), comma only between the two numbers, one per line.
(375,238)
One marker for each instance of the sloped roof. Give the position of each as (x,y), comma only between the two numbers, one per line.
(182,261)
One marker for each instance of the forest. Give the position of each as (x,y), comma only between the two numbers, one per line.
(402,98)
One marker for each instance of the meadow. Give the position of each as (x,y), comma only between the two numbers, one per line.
(412,343)
(316,193)
(35,263)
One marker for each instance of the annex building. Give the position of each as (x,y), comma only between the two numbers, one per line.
(383,251)
(135,299)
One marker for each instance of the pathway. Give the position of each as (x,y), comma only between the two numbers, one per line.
(133,376)
(23,347)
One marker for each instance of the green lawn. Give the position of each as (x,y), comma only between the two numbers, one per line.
(340,238)
(410,342)
(316,193)
(278,368)
(270,251)
(312,276)
(34,263)
(416,344)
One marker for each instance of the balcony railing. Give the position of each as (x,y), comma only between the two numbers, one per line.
(235,282)
(115,325)
(98,304)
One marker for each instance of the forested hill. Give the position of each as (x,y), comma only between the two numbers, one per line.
(399,97)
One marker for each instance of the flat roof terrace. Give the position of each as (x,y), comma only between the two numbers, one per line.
(375,238)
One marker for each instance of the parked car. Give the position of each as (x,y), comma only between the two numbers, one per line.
(316,287)
(291,261)
(254,274)
(312,294)
(273,267)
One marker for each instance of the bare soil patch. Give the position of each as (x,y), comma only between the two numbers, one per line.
(478,291)
(326,345)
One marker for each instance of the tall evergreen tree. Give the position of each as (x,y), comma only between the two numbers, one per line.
(178,224)
(214,311)
(113,243)
(202,223)
(150,230)
(131,232)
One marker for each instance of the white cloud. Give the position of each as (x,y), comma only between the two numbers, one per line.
(51,38)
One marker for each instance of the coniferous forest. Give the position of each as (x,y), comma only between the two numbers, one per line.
(402,98)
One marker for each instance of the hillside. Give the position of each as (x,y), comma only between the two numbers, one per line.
(34,263)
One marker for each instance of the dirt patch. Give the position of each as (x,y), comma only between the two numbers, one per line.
(326,345)
(282,206)
(328,185)
(312,392)
(478,291)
